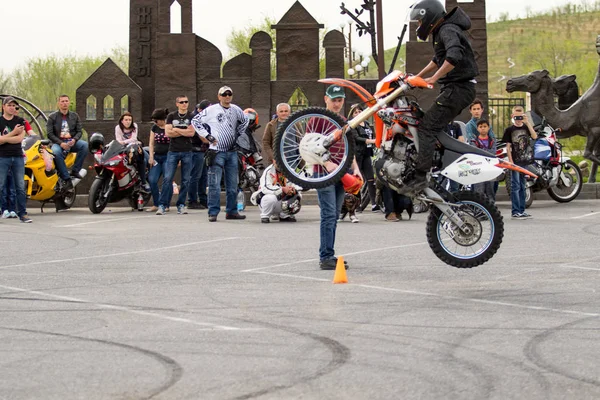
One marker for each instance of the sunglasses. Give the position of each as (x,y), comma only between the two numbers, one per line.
(226,94)
(183,102)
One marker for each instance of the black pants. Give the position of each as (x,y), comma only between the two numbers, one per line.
(365,164)
(453,98)
(395,202)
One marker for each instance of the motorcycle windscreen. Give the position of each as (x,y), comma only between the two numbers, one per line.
(114,148)
(471,169)
(30,141)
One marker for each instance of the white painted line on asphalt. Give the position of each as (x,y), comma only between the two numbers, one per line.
(577,267)
(586,215)
(207,325)
(343,255)
(443,296)
(103,220)
(126,253)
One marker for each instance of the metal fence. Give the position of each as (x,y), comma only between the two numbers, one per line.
(500,109)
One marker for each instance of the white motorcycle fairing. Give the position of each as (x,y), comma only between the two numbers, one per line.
(473,168)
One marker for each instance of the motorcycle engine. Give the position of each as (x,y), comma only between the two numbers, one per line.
(393,166)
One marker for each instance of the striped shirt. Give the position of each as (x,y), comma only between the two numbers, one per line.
(225,125)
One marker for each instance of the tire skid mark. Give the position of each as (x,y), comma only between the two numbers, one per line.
(174,370)
(340,355)
(533,353)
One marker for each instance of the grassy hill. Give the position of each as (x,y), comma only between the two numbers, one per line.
(561,41)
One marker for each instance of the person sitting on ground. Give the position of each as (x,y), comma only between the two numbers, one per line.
(395,204)
(485,142)
(275,195)
(126,133)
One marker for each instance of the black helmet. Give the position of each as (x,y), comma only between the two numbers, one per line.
(428,13)
(290,204)
(96,142)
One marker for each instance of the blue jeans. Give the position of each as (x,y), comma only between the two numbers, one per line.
(517,192)
(196,174)
(16,167)
(154,175)
(202,186)
(330,199)
(9,194)
(228,162)
(173,158)
(80,147)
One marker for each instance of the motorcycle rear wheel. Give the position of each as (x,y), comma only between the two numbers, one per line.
(97,202)
(287,148)
(466,250)
(563,193)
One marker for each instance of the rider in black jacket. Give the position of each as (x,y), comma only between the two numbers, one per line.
(455,69)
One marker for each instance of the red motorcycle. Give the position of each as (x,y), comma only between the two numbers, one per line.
(117,176)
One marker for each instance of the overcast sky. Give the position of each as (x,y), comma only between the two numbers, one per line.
(93,26)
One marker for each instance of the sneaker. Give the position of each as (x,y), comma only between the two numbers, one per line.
(13,215)
(6,214)
(524,214)
(152,209)
(291,218)
(25,219)
(167,209)
(194,205)
(181,209)
(375,208)
(341,217)
(235,216)
(354,219)
(265,220)
(76,174)
(145,188)
(212,218)
(160,211)
(518,216)
(330,264)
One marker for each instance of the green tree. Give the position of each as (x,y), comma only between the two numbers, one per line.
(5,84)
(41,79)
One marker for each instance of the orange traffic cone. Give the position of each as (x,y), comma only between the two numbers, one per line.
(340,272)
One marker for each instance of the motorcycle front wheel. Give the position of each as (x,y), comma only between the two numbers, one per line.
(569,183)
(97,199)
(466,249)
(311,123)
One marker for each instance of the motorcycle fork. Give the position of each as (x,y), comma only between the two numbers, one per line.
(433,197)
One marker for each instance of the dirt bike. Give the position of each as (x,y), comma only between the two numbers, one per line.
(117,178)
(557,174)
(464,229)
(41,178)
(249,165)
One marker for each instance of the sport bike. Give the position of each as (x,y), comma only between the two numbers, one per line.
(314,149)
(557,174)
(117,178)
(41,178)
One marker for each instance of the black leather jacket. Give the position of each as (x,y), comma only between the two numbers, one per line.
(54,124)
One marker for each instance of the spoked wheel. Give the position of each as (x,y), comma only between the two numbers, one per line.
(299,150)
(477,243)
(569,183)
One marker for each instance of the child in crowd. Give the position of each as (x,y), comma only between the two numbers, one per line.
(485,142)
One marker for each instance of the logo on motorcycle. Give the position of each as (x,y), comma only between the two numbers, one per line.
(464,167)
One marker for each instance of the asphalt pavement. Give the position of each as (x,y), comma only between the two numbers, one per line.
(129,305)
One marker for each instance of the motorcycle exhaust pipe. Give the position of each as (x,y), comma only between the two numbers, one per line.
(83,173)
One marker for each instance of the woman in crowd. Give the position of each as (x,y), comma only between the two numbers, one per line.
(126,133)
(159,147)
(364,152)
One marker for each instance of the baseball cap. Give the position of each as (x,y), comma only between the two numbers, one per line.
(335,91)
(224,89)
(9,99)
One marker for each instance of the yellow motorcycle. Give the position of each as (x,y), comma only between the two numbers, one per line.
(41,177)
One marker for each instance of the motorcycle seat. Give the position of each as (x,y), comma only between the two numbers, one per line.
(457,146)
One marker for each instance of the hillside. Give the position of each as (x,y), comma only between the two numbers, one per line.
(562,43)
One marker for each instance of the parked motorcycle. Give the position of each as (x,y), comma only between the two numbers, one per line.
(41,177)
(557,174)
(117,176)
(464,229)
(249,158)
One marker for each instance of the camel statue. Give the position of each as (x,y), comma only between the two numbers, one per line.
(581,118)
(567,90)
